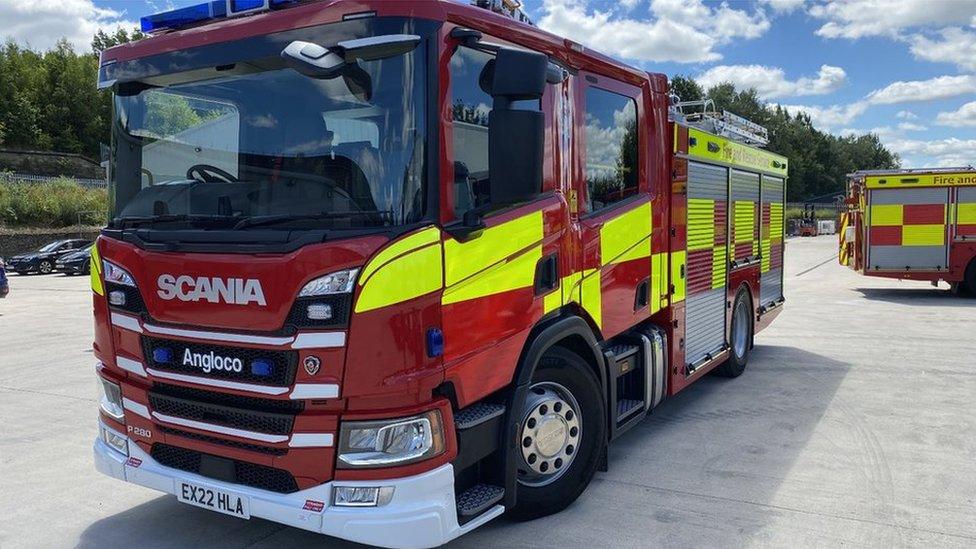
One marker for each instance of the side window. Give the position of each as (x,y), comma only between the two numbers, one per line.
(611,148)
(470,106)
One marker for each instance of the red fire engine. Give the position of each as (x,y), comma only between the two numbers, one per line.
(388,270)
(917,224)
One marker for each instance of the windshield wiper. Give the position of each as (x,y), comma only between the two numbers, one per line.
(283,218)
(133,221)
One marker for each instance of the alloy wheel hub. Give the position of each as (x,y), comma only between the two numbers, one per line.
(550,434)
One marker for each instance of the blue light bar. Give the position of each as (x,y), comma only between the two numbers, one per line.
(184,16)
(240,6)
(214,9)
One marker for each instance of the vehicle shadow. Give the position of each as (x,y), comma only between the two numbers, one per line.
(703,470)
(719,441)
(917,296)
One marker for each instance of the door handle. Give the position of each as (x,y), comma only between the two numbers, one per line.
(547,274)
(643,297)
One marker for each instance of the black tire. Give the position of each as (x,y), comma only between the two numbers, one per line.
(969,282)
(45,267)
(563,368)
(740,344)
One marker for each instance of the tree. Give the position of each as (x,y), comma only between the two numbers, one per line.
(103,40)
(686,89)
(819,162)
(50,101)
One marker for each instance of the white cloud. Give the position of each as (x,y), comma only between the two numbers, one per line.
(954,45)
(41,23)
(934,152)
(829,118)
(911,127)
(783,6)
(963,116)
(862,18)
(771,82)
(907,115)
(678,31)
(941,87)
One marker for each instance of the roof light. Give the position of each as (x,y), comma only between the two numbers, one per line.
(214,9)
(184,16)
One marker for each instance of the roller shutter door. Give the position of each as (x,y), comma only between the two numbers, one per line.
(771,240)
(708,188)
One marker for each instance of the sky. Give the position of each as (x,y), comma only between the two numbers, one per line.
(903,69)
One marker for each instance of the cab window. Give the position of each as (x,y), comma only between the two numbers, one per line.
(611,148)
(470,106)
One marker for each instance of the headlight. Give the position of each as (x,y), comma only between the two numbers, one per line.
(335,283)
(364,444)
(117,275)
(111,402)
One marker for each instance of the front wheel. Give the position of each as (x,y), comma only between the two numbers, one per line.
(562,434)
(741,337)
(45,267)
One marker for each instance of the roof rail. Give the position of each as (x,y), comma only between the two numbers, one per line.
(508,8)
(909,171)
(702,114)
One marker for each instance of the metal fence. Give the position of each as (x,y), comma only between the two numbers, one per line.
(27,178)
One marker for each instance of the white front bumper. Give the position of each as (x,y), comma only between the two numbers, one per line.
(421,514)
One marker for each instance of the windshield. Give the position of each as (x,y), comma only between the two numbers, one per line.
(50,247)
(258,144)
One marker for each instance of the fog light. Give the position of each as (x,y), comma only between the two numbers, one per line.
(162,355)
(362,496)
(116,298)
(115,440)
(261,367)
(320,311)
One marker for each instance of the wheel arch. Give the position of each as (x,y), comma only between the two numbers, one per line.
(566,330)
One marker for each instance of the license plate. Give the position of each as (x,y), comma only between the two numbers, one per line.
(214,499)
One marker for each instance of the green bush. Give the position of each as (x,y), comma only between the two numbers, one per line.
(60,202)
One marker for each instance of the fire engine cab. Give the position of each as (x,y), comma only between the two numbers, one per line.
(917,224)
(388,270)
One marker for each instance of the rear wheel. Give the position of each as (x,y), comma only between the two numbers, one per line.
(741,337)
(970,279)
(45,267)
(562,433)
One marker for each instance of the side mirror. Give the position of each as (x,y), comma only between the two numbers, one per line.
(317,61)
(516,139)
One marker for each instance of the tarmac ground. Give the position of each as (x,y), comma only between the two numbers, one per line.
(853,425)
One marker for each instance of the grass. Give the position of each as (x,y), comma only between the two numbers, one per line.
(57,203)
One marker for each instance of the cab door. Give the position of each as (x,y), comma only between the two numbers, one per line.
(615,204)
(499,283)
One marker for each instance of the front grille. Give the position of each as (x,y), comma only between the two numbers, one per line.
(224,442)
(283,363)
(238,472)
(250,414)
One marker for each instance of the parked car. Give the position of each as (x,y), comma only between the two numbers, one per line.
(4,285)
(44,258)
(75,263)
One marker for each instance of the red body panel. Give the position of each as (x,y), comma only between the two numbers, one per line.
(384,368)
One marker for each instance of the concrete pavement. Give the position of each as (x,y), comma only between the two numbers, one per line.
(854,424)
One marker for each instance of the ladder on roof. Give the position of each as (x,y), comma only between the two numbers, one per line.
(508,8)
(702,114)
